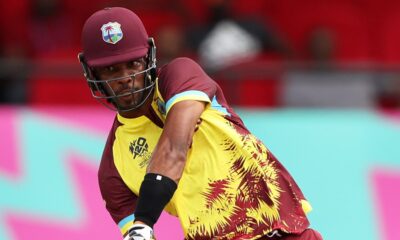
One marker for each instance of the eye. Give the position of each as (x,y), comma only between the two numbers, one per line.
(136,64)
(110,69)
(105,70)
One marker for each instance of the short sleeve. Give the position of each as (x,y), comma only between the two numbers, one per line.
(183,79)
(120,201)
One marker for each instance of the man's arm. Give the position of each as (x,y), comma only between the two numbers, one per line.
(169,156)
(168,161)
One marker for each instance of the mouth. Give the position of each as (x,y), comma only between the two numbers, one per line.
(125,92)
(128,96)
(128,91)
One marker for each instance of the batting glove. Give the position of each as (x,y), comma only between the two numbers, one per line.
(141,232)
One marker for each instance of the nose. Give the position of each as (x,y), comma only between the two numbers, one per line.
(126,75)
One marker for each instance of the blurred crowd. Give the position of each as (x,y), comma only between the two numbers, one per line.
(263,53)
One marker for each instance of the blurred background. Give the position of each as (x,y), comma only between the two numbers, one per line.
(318,81)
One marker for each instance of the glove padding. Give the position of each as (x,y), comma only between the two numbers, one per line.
(141,232)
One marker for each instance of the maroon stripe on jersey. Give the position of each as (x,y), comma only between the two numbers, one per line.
(120,200)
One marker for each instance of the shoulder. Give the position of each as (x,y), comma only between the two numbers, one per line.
(180,67)
(107,167)
(182,75)
(181,61)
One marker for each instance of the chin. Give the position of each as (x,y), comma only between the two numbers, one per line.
(131,102)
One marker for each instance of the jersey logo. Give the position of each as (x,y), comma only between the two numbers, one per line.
(112,32)
(161,106)
(139,147)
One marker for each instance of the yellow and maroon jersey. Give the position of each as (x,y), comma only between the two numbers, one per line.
(232,186)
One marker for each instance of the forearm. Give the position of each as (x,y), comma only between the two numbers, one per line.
(169,156)
(160,182)
(169,160)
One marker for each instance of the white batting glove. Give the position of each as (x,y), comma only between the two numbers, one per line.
(141,232)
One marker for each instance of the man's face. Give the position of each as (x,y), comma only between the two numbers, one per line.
(125,83)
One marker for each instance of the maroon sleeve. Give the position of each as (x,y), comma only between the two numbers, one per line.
(184,74)
(120,200)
